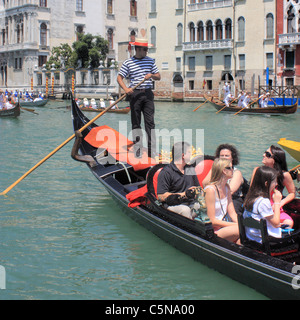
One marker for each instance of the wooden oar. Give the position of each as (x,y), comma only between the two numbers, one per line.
(30,110)
(274,101)
(200,105)
(245,107)
(65,142)
(226,106)
(221,109)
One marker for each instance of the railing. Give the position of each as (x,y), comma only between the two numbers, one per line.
(289,38)
(280,91)
(209,5)
(208,45)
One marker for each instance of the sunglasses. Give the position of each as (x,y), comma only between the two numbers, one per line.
(268,154)
(229,168)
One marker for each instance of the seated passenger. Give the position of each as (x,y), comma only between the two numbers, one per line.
(274,157)
(176,178)
(220,209)
(93,104)
(258,205)
(238,184)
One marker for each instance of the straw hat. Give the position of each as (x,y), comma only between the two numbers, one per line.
(141,43)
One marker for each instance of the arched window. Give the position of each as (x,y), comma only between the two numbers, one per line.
(132,36)
(133,8)
(43,34)
(153,36)
(219,31)
(241,29)
(110,8)
(79,29)
(291,28)
(200,31)
(18,34)
(179,34)
(270,26)
(110,38)
(228,28)
(209,30)
(192,31)
(43,3)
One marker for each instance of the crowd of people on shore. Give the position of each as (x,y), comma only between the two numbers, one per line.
(228,194)
(244,98)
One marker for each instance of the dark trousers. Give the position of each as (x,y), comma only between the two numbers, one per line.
(142,102)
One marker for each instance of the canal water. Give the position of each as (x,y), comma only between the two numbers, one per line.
(63,237)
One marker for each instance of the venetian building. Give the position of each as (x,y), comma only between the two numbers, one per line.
(288,28)
(29,29)
(199,44)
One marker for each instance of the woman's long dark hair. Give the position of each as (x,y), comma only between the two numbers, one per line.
(260,186)
(280,164)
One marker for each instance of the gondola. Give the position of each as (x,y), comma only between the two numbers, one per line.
(253,109)
(120,110)
(37,103)
(131,183)
(13,112)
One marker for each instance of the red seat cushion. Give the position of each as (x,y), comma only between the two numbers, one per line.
(202,170)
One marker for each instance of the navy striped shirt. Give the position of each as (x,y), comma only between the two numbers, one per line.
(136,70)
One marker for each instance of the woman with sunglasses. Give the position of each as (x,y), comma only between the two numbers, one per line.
(274,157)
(220,209)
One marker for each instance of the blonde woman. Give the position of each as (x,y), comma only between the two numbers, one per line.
(220,209)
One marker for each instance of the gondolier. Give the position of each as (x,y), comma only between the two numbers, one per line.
(137,68)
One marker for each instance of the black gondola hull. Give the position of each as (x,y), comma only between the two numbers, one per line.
(270,276)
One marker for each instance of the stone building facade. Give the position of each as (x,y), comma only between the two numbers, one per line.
(29,29)
(201,43)
(288,40)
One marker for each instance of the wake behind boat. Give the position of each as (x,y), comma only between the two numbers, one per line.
(132,184)
(253,109)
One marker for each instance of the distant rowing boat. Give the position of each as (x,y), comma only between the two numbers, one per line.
(254,109)
(120,110)
(37,103)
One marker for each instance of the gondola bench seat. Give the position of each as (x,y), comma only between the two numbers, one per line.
(276,247)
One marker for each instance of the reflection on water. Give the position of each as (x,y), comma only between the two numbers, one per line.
(63,237)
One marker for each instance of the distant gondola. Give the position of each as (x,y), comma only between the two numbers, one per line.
(13,112)
(108,155)
(253,109)
(36,103)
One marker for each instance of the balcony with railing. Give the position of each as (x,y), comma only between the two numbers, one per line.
(214,4)
(208,45)
(289,39)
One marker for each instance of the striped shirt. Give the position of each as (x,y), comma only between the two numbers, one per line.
(136,70)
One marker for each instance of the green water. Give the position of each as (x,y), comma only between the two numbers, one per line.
(63,237)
